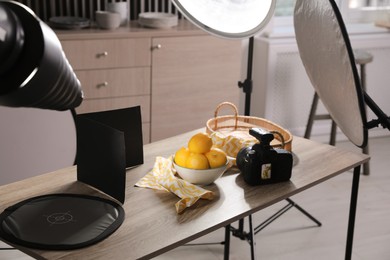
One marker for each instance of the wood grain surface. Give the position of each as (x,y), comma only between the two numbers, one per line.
(151,225)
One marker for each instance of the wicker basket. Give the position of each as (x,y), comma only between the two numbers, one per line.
(239,126)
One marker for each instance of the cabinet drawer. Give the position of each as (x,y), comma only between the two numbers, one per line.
(111,53)
(103,104)
(115,82)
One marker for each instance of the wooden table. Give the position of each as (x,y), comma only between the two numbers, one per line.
(152,227)
(383,23)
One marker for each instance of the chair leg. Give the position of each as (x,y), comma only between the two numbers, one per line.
(333,131)
(310,121)
(366,166)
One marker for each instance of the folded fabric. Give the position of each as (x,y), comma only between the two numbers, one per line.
(162,177)
(232,143)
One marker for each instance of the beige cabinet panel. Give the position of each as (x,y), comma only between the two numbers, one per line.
(115,82)
(146,133)
(103,104)
(103,53)
(178,76)
(114,73)
(96,105)
(190,77)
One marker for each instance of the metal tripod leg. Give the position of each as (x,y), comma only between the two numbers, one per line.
(240,233)
(283,210)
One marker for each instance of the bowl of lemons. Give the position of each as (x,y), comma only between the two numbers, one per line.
(200,163)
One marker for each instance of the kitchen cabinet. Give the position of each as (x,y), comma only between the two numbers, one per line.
(190,77)
(178,76)
(114,73)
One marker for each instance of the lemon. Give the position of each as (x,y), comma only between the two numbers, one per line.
(200,143)
(181,156)
(216,157)
(197,161)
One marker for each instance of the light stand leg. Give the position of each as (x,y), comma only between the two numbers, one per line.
(283,210)
(307,214)
(272,218)
(241,234)
(247,86)
(352,212)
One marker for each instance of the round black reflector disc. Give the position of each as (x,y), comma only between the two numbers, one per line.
(60,221)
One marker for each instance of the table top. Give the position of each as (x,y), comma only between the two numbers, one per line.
(383,23)
(152,226)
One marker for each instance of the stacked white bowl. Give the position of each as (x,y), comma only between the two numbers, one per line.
(107,20)
(157,20)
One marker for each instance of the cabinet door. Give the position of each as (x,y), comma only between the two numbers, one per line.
(190,77)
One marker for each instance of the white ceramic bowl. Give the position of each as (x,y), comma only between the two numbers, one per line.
(107,20)
(157,20)
(200,177)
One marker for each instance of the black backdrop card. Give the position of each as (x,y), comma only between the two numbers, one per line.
(101,159)
(107,143)
(127,120)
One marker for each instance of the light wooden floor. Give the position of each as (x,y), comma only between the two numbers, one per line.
(294,236)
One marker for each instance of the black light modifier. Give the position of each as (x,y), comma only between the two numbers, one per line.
(34,71)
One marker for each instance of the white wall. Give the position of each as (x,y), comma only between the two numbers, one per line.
(283,93)
(34,141)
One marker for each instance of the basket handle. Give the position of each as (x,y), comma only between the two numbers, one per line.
(280,136)
(231,105)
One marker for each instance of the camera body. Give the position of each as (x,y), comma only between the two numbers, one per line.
(263,164)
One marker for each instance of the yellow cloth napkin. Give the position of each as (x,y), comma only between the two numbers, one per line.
(162,177)
(231,143)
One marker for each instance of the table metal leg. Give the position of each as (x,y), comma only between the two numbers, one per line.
(352,212)
(226,251)
(252,240)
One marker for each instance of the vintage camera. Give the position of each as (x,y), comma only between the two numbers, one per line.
(263,164)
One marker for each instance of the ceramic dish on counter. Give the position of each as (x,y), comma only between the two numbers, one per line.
(108,20)
(157,20)
(68,22)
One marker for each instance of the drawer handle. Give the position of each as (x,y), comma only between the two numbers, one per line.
(101,85)
(103,54)
(157,47)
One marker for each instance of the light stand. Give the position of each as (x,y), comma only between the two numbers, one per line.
(247,85)
(34,72)
(383,119)
(236,20)
(328,58)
